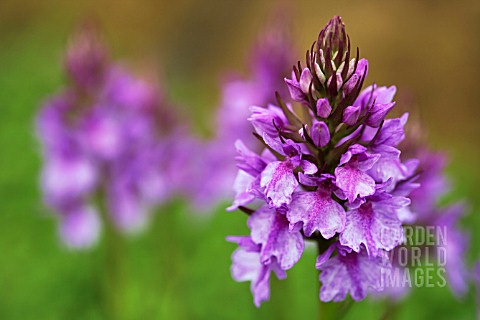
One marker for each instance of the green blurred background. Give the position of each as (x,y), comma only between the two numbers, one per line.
(179,268)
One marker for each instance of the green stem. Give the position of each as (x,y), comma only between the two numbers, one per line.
(112,266)
(172,265)
(328,310)
(279,299)
(390,310)
(114,272)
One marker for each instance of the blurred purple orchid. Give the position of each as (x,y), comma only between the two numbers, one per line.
(212,173)
(104,138)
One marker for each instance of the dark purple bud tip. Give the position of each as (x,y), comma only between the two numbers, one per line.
(333,39)
(86,57)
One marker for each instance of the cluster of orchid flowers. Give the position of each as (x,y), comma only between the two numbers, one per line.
(105,142)
(323,165)
(330,172)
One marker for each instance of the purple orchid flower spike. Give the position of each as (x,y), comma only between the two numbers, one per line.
(333,171)
(105,134)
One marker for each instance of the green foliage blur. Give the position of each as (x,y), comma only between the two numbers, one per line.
(179,268)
